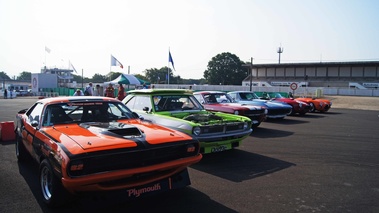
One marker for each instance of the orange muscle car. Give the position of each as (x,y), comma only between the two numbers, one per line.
(316,104)
(88,144)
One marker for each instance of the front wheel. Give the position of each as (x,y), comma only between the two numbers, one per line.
(312,107)
(53,193)
(291,112)
(255,125)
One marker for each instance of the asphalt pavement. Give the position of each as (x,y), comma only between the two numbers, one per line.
(320,162)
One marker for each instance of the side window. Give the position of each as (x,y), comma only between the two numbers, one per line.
(35,113)
(130,103)
(199,98)
(139,102)
(233,95)
(142,102)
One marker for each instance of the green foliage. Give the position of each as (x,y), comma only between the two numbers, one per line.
(99,78)
(4,76)
(25,76)
(158,76)
(142,77)
(79,79)
(226,69)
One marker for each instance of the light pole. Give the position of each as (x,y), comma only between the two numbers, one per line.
(251,75)
(280,51)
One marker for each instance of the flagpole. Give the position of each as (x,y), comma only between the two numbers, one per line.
(110,69)
(45,61)
(168,68)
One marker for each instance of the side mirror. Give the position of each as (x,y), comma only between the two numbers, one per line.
(34,123)
(137,116)
(22,111)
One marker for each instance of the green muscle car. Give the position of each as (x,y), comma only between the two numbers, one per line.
(179,109)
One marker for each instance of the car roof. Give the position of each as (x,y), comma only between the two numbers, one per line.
(241,92)
(65,99)
(209,92)
(161,91)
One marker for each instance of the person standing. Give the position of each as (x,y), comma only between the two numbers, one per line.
(121,93)
(89,90)
(97,91)
(5,93)
(78,92)
(109,91)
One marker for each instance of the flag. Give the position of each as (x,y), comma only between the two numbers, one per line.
(72,66)
(170,59)
(47,49)
(115,62)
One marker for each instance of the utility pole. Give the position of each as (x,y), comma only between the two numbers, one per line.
(251,74)
(280,51)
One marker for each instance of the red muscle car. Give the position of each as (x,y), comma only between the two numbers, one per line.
(298,106)
(217,101)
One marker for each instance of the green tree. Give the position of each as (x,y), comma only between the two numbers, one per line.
(142,77)
(25,76)
(158,76)
(4,76)
(99,78)
(226,69)
(79,80)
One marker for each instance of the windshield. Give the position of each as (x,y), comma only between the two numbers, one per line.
(76,112)
(175,102)
(276,95)
(248,96)
(217,98)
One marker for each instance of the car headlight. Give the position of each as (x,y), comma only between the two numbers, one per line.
(236,112)
(245,125)
(196,130)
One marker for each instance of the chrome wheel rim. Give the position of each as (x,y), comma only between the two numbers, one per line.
(46,183)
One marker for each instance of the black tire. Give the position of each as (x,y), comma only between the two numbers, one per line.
(312,107)
(292,112)
(21,152)
(255,125)
(53,193)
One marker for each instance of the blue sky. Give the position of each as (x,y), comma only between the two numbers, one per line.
(140,33)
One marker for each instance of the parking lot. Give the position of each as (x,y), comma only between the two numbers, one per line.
(320,162)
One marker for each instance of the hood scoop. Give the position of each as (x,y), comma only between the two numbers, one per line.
(114,129)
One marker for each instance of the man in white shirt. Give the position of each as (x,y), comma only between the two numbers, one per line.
(89,90)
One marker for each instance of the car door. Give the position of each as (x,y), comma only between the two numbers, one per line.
(31,124)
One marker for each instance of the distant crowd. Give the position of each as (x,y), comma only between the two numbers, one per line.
(109,91)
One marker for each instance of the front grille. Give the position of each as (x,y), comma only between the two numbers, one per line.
(228,127)
(126,159)
(256,112)
(278,111)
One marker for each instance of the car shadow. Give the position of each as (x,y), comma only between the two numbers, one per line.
(332,113)
(287,121)
(237,165)
(270,133)
(184,200)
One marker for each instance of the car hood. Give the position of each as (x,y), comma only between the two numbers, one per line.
(314,100)
(267,104)
(234,106)
(96,135)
